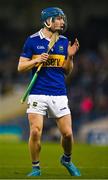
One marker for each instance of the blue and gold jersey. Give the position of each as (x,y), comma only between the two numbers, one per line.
(50,80)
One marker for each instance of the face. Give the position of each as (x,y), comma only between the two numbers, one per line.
(58,23)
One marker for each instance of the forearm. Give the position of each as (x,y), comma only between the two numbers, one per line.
(68,65)
(26,64)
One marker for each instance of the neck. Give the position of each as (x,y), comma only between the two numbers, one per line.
(47,33)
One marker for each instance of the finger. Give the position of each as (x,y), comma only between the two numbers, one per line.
(45,55)
(44,60)
(77,42)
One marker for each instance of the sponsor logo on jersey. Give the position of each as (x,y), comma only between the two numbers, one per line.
(54,60)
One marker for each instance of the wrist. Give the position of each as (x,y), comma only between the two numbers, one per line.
(37,60)
(70,57)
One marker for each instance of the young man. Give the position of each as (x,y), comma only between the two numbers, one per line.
(49,91)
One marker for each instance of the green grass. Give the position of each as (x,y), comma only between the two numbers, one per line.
(15,161)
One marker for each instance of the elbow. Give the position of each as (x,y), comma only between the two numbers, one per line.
(68,70)
(19,69)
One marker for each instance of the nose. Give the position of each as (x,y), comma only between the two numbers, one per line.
(62,21)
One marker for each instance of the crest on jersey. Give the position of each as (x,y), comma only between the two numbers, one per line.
(34,104)
(61,48)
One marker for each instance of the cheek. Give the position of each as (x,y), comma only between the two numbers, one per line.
(57,24)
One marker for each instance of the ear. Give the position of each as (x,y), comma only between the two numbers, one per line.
(48,22)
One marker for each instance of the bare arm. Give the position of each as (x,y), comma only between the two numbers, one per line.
(68,65)
(26,64)
(72,49)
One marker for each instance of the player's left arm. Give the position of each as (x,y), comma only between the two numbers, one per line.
(72,49)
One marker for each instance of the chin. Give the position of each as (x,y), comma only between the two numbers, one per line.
(59,30)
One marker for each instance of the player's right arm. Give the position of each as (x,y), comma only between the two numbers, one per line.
(25,61)
(26,64)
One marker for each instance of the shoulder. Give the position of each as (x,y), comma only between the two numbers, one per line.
(63,38)
(30,39)
(35,35)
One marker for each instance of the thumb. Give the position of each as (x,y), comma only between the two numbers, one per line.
(69,43)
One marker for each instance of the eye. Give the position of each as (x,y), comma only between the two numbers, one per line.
(59,18)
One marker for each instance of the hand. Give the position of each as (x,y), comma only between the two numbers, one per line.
(72,49)
(42,58)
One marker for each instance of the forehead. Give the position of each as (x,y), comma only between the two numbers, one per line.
(59,17)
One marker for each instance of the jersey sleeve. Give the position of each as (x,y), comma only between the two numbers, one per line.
(27,49)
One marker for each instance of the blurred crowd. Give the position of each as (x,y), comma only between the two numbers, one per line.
(88,90)
(88,83)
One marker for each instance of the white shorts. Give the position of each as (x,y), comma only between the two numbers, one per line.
(54,106)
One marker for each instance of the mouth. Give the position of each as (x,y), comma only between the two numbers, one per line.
(62,27)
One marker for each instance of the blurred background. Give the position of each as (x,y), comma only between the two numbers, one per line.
(88,84)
